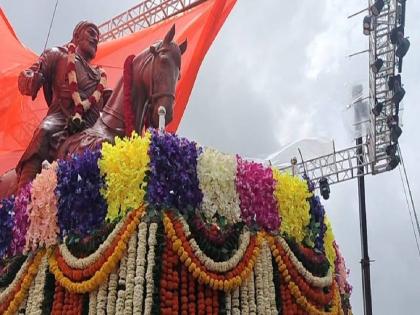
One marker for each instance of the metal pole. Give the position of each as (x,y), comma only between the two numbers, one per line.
(365,262)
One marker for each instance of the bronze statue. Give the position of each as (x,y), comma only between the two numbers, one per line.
(50,72)
(155,73)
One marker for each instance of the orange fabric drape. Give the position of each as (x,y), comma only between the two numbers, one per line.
(19,115)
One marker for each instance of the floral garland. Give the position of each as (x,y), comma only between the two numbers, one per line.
(216,174)
(127,90)
(82,106)
(292,194)
(112,292)
(233,279)
(37,295)
(210,264)
(125,165)
(131,272)
(110,264)
(20,220)
(151,242)
(43,228)
(255,186)
(77,189)
(173,178)
(21,291)
(16,282)
(140,268)
(329,243)
(6,224)
(85,262)
(341,273)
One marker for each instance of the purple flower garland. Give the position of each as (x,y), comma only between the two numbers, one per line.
(6,224)
(21,220)
(81,208)
(255,186)
(173,180)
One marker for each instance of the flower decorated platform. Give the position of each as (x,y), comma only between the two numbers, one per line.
(160,225)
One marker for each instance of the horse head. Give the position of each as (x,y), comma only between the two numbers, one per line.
(157,75)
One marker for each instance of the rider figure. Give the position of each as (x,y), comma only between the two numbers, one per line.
(50,72)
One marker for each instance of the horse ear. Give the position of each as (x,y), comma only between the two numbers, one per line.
(183,46)
(170,35)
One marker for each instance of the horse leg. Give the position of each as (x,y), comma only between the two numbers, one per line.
(8,184)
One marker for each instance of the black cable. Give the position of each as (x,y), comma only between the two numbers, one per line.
(51,23)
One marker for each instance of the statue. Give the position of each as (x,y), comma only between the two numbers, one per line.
(64,117)
(148,83)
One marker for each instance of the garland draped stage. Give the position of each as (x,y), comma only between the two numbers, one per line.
(20,116)
(160,225)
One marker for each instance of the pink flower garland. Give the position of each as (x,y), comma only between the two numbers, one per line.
(20,220)
(43,228)
(341,272)
(255,186)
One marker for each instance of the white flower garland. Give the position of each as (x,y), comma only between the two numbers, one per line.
(270,291)
(235,302)
(119,308)
(151,242)
(19,275)
(30,298)
(216,173)
(93,300)
(265,277)
(228,302)
(319,282)
(244,298)
(101,298)
(251,294)
(222,266)
(112,293)
(82,263)
(140,269)
(131,273)
(259,284)
(38,288)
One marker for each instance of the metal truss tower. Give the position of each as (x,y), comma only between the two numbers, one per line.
(143,15)
(368,157)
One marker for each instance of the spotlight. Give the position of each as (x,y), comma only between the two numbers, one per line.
(378,108)
(399,93)
(324,187)
(393,80)
(396,35)
(367,22)
(377,7)
(402,48)
(393,162)
(391,149)
(377,65)
(396,131)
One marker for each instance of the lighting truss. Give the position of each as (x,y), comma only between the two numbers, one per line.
(143,15)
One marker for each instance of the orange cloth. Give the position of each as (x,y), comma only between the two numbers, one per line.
(19,115)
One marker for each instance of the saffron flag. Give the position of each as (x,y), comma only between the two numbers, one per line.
(19,115)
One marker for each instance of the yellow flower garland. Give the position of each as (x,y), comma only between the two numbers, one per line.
(101,275)
(202,275)
(125,164)
(329,243)
(291,194)
(26,283)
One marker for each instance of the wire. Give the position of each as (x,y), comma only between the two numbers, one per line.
(51,23)
(411,199)
(409,210)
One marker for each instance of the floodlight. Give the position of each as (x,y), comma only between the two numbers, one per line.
(393,162)
(377,7)
(377,65)
(402,48)
(378,108)
(367,22)
(324,187)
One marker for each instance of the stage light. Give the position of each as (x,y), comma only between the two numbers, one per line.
(367,22)
(393,162)
(377,65)
(378,108)
(402,48)
(395,130)
(392,80)
(391,150)
(377,7)
(396,34)
(399,93)
(324,187)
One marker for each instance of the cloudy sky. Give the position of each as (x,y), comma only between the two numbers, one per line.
(277,73)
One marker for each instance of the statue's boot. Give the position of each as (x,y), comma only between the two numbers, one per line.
(29,170)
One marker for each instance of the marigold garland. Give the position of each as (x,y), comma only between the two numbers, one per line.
(125,165)
(20,295)
(227,282)
(106,268)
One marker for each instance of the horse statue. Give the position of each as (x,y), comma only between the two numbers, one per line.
(151,84)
